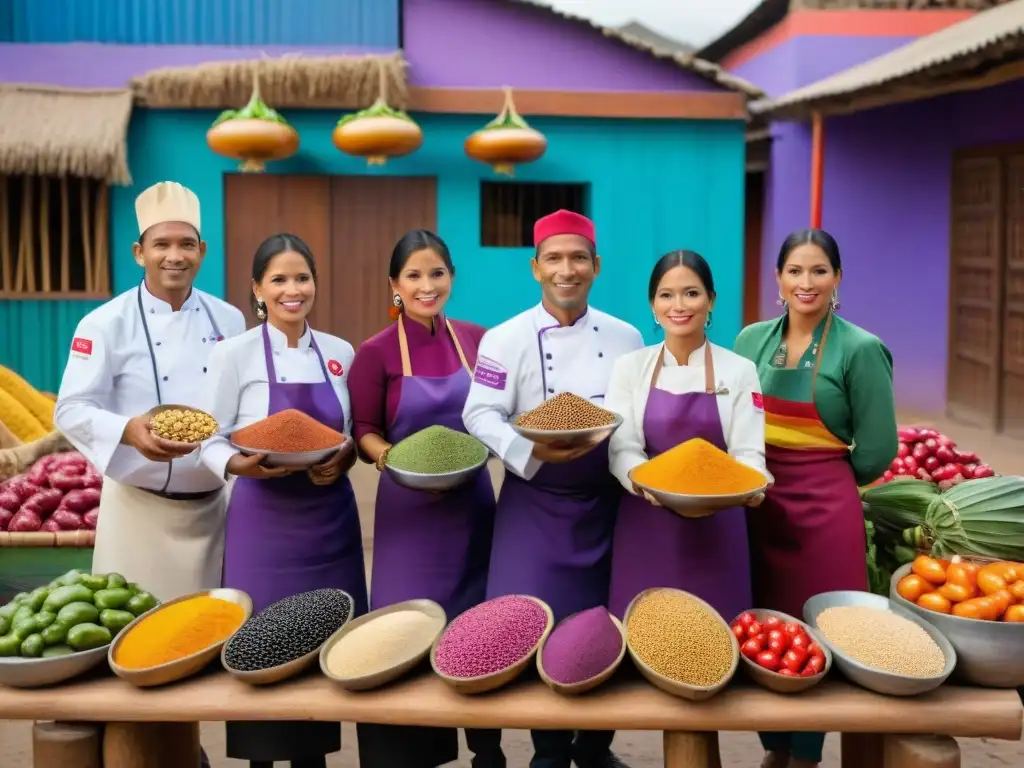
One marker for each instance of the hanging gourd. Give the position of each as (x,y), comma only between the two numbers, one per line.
(506,141)
(379,131)
(254,134)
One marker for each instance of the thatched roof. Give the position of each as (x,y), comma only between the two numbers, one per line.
(918,69)
(53,131)
(685,61)
(338,82)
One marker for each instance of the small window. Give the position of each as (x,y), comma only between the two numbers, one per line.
(508,210)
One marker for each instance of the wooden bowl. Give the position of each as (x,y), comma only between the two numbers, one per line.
(667,684)
(574,689)
(289,669)
(384,676)
(773,681)
(484,683)
(186,666)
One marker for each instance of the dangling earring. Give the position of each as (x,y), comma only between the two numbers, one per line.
(657,325)
(780,301)
(834,301)
(707,323)
(261,309)
(397,300)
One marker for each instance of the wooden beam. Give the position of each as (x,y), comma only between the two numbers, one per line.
(817,167)
(684,105)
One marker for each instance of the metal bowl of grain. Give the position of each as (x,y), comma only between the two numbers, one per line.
(878,645)
(297,461)
(446,481)
(568,438)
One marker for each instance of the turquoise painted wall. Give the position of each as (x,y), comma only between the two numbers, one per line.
(655,186)
(35,337)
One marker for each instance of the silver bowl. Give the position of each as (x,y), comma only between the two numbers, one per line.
(447,481)
(888,683)
(593,436)
(36,673)
(303,460)
(688,505)
(989,653)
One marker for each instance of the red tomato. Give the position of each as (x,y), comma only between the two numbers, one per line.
(778,647)
(746,619)
(768,660)
(814,663)
(772,622)
(792,629)
(754,628)
(751,648)
(801,641)
(739,631)
(808,671)
(815,650)
(778,634)
(794,659)
(786,673)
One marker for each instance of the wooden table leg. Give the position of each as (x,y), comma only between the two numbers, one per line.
(906,751)
(151,745)
(67,745)
(692,750)
(861,750)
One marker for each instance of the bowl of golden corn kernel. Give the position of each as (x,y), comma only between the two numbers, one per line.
(182,424)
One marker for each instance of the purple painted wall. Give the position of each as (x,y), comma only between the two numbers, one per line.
(93,65)
(476,44)
(886,200)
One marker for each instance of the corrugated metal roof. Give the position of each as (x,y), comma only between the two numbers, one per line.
(993,31)
(686,61)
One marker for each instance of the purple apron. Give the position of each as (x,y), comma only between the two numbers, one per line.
(285,536)
(655,547)
(433,546)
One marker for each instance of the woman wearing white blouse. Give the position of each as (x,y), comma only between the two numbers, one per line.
(667,394)
(286,533)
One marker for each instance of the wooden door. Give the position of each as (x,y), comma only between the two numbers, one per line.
(1012,385)
(368,215)
(257,206)
(976,276)
(752,235)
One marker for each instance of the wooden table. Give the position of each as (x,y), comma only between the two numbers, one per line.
(157,727)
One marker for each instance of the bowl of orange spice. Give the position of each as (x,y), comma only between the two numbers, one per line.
(978,604)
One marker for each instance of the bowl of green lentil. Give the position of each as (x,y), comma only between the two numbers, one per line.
(436,459)
(680,643)
(880,646)
(383,645)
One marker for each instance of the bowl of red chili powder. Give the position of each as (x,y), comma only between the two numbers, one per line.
(290,439)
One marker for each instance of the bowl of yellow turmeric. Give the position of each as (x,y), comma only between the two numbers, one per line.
(178,638)
(697,479)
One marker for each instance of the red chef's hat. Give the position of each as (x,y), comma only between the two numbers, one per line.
(563,222)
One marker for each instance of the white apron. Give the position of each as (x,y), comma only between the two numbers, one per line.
(169,548)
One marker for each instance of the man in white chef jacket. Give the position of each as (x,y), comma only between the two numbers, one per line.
(161,518)
(557,506)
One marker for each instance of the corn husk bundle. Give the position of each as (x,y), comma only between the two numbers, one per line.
(26,412)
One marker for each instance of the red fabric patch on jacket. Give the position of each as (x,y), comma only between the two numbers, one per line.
(335,367)
(81,346)
(758,400)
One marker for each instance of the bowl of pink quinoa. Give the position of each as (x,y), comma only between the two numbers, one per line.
(489,645)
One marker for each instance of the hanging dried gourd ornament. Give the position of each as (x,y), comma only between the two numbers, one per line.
(506,141)
(378,132)
(254,134)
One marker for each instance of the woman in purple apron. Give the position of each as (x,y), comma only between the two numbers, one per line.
(706,392)
(831,427)
(286,533)
(413,375)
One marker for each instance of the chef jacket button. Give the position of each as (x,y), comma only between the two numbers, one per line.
(165,378)
(204,340)
(548,355)
(283,379)
(595,327)
(152,311)
(197,309)
(550,390)
(600,354)
(158,343)
(204,369)
(550,368)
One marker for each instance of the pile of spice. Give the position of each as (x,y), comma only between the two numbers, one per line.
(288,629)
(581,647)
(179,630)
(697,468)
(491,637)
(566,411)
(288,431)
(882,640)
(383,643)
(680,639)
(184,425)
(436,450)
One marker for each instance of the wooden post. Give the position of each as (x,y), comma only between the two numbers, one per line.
(903,751)
(151,745)
(861,750)
(817,167)
(67,745)
(691,750)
